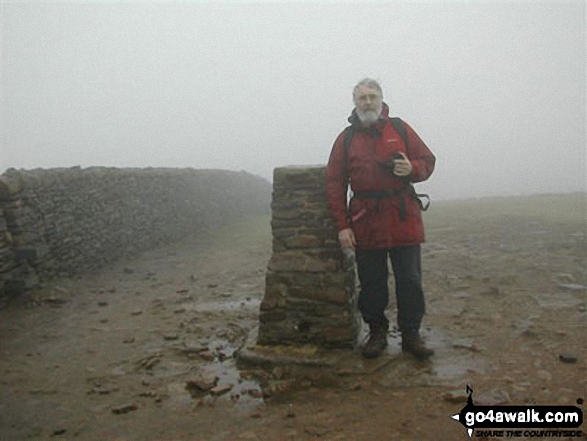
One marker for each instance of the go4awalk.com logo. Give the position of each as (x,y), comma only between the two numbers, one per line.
(520,421)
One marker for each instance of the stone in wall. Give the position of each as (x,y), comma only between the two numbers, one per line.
(309,285)
(12,277)
(7,262)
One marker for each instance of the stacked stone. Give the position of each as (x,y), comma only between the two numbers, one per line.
(63,222)
(16,272)
(310,285)
(7,262)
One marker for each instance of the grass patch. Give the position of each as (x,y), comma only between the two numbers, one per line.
(567,209)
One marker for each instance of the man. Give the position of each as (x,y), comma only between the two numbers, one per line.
(383,216)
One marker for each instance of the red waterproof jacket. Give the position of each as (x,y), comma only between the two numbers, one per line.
(377,223)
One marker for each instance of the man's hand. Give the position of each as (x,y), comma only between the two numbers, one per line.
(402,167)
(346,238)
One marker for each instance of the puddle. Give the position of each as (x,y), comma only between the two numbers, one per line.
(242,389)
(558,301)
(453,361)
(244,393)
(455,358)
(223,305)
(457,368)
(169,369)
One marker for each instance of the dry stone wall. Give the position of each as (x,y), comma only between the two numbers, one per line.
(310,284)
(60,222)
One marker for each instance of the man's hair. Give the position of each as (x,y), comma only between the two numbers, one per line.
(370,83)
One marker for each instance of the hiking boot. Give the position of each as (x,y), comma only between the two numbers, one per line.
(413,343)
(377,340)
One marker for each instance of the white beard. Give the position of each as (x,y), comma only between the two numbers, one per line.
(369,117)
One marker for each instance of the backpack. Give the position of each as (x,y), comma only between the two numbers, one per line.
(397,123)
(349,133)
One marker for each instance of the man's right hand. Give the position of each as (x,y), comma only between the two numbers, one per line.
(346,238)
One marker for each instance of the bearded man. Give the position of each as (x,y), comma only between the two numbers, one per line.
(380,157)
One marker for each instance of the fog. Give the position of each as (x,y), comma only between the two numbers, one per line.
(495,89)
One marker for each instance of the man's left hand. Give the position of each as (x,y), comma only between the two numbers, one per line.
(402,167)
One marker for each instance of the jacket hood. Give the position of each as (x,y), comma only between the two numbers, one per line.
(383,116)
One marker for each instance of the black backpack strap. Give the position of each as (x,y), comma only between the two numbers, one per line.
(398,125)
(349,132)
(418,197)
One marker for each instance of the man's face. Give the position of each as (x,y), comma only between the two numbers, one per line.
(368,103)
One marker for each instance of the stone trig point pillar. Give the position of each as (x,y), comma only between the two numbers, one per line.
(310,285)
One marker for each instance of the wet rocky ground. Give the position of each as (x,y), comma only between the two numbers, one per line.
(145,350)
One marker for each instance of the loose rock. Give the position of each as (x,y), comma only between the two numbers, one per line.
(55,301)
(567,358)
(125,408)
(207,355)
(290,412)
(572,287)
(202,383)
(222,389)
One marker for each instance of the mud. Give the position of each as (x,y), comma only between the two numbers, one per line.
(111,356)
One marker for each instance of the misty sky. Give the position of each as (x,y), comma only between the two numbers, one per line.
(495,89)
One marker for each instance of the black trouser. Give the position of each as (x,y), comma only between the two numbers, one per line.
(374,295)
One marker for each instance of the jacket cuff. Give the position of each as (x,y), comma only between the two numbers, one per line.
(415,173)
(342,226)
